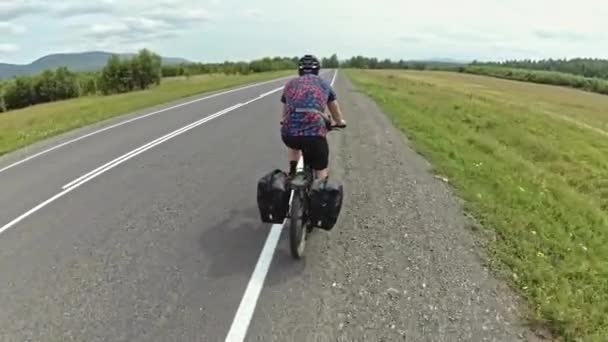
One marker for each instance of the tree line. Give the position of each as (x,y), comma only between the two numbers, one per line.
(120,75)
(587,67)
(592,84)
(145,69)
(231,68)
(581,73)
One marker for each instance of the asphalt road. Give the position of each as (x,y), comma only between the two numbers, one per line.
(149,231)
(159,247)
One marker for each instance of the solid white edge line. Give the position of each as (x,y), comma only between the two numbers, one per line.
(17,163)
(333,80)
(242,318)
(244,313)
(241,321)
(118,162)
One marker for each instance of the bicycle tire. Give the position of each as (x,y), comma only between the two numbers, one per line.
(297,231)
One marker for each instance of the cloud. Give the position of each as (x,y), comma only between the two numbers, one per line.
(561,35)
(66,9)
(12,9)
(180,16)
(8,48)
(171,19)
(417,37)
(128,27)
(130,30)
(11,28)
(445,35)
(252,13)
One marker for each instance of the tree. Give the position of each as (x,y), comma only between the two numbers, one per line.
(325,63)
(146,69)
(110,79)
(66,84)
(139,72)
(19,93)
(333,61)
(45,87)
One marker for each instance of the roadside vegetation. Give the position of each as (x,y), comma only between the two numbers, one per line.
(585,74)
(19,128)
(588,67)
(121,75)
(37,107)
(592,84)
(531,163)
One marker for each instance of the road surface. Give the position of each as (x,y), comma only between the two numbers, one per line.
(149,231)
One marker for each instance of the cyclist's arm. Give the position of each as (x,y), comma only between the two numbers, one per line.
(284,111)
(334,107)
(336,113)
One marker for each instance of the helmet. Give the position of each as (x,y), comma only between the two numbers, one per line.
(309,64)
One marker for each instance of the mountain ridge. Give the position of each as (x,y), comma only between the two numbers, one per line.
(76,61)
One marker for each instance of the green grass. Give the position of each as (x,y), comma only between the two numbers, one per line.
(22,127)
(527,171)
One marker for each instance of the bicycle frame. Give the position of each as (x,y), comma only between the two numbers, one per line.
(298,214)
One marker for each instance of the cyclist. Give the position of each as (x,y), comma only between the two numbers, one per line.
(304,126)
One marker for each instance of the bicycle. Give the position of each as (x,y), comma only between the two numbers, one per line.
(298,214)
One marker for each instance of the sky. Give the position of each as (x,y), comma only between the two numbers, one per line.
(218,30)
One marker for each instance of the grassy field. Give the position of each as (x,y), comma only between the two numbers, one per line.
(531,162)
(25,126)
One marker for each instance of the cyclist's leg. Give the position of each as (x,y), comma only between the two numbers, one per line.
(293,152)
(294,157)
(317,150)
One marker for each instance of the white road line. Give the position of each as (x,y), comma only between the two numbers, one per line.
(135,119)
(333,80)
(91,175)
(242,318)
(33,210)
(149,145)
(240,324)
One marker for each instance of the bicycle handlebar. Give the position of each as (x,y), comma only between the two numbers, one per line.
(335,127)
(331,127)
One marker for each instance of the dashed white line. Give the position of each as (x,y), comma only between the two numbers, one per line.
(108,166)
(244,313)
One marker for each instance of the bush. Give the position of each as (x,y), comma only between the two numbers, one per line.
(19,93)
(139,72)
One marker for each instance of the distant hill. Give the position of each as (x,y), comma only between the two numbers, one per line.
(83,61)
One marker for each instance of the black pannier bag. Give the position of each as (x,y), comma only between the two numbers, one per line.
(325,203)
(273,197)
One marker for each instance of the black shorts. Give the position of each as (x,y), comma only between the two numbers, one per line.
(315,150)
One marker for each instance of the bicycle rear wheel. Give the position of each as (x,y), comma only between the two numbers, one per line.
(297,231)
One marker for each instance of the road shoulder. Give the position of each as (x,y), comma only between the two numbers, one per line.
(401,264)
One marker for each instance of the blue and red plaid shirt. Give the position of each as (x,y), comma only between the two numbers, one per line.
(306,92)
